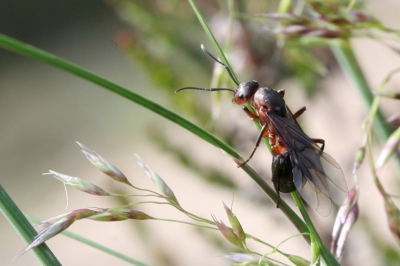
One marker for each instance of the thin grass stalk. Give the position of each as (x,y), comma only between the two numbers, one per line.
(325,253)
(17,219)
(16,46)
(345,56)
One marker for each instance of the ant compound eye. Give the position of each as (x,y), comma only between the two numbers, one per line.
(245,91)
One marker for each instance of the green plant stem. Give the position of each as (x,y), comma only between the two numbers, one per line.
(93,244)
(210,36)
(345,56)
(325,253)
(290,214)
(33,52)
(103,248)
(24,228)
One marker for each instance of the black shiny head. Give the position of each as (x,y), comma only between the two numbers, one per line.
(245,91)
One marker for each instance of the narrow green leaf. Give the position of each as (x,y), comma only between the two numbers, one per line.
(317,245)
(24,228)
(33,52)
(214,42)
(93,244)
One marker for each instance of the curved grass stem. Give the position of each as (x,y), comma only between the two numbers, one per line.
(345,56)
(315,238)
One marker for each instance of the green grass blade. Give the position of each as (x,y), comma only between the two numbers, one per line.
(214,42)
(325,253)
(345,56)
(94,244)
(30,51)
(33,52)
(25,229)
(290,214)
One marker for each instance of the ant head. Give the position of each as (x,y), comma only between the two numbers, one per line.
(245,91)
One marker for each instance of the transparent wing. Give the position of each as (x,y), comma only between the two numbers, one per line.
(317,176)
(318,179)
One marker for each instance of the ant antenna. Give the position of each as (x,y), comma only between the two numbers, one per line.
(204,89)
(218,61)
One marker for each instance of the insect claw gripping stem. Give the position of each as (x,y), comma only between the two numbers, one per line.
(243,163)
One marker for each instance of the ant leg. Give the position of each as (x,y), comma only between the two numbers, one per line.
(250,113)
(299,112)
(260,136)
(320,141)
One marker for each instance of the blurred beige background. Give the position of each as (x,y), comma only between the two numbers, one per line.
(43,111)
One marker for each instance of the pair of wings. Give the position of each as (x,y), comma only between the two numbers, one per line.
(317,176)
